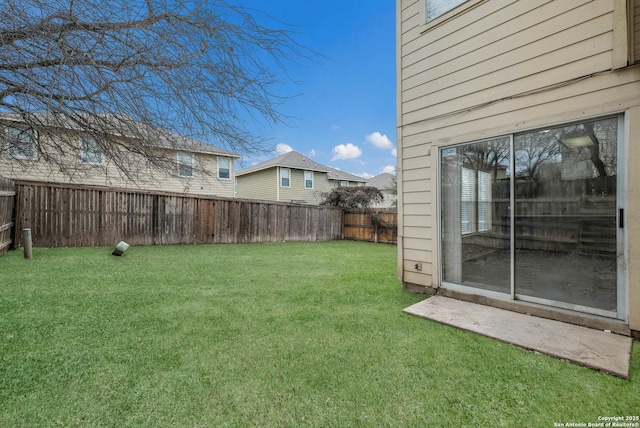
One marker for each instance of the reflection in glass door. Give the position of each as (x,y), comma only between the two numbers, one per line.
(534,216)
(476,221)
(565,214)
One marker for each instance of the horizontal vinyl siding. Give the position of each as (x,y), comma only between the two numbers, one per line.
(297,192)
(517,50)
(418,226)
(591,97)
(203,182)
(503,66)
(258,185)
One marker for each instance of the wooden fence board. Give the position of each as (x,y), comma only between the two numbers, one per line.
(359,225)
(7,198)
(72,216)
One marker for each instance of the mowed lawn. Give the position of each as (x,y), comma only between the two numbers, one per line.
(265,335)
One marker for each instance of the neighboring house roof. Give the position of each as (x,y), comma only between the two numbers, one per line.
(295,160)
(121,125)
(383,181)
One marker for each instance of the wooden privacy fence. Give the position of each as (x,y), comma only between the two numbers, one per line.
(374,225)
(73,216)
(7,196)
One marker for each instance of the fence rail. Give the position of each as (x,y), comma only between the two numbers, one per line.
(72,216)
(7,197)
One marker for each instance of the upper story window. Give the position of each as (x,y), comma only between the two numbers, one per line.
(185,165)
(285,177)
(22,144)
(90,151)
(224,168)
(308,179)
(435,8)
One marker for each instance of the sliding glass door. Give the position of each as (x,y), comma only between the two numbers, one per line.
(534,216)
(476,230)
(565,214)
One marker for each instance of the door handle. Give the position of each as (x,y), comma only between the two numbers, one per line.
(621,218)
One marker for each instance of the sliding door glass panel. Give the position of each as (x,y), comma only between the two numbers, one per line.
(475,191)
(565,214)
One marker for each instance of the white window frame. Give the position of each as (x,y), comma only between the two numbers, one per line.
(285,174)
(437,8)
(435,20)
(308,180)
(222,168)
(185,160)
(344,183)
(22,144)
(90,151)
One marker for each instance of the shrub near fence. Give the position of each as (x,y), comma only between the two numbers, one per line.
(7,195)
(73,216)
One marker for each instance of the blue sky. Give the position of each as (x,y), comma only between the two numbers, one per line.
(345,113)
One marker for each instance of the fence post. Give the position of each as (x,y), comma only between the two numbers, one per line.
(374,219)
(26,241)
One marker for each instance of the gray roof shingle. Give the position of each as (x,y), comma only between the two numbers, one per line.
(295,160)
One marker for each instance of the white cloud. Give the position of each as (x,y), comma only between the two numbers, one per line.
(312,153)
(348,151)
(379,140)
(365,175)
(334,127)
(389,169)
(394,153)
(283,148)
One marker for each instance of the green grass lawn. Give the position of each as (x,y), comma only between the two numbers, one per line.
(292,334)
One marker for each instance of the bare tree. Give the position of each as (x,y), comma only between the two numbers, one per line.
(204,69)
(536,151)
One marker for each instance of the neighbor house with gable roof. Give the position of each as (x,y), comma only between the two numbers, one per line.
(292,177)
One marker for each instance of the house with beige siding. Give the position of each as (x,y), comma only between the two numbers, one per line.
(291,177)
(518,143)
(65,154)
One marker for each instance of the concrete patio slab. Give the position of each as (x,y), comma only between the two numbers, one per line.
(599,350)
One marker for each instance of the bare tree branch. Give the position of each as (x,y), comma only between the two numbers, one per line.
(205,69)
